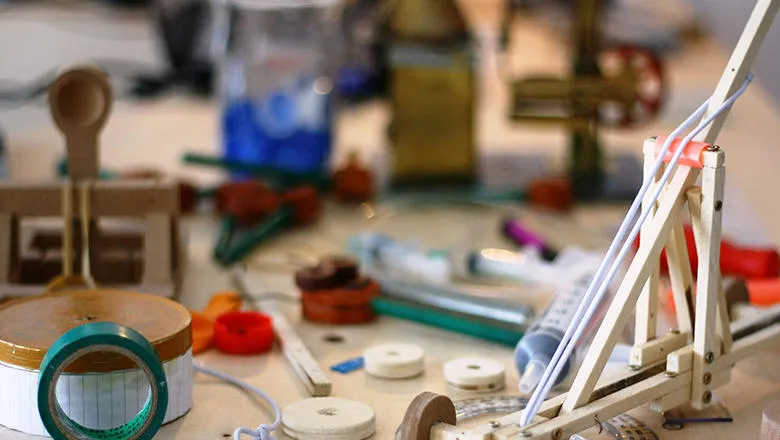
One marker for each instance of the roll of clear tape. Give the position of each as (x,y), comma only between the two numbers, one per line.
(100,392)
(96,401)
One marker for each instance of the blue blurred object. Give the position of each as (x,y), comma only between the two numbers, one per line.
(288,128)
(353,81)
(276,83)
(349,365)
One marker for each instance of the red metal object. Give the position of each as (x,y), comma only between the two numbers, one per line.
(734,260)
(248,201)
(553,193)
(306,201)
(649,94)
(353,182)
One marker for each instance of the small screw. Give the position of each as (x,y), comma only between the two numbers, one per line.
(706,397)
(713,148)
(709,357)
(654,138)
(557,434)
(526,433)
(707,379)
(718,205)
(634,367)
(494,424)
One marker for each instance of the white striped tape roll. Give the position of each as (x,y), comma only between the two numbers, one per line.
(100,390)
(93,400)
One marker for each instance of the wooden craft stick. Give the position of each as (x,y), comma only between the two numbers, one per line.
(295,351)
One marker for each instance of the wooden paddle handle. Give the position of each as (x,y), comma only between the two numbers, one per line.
(80,102)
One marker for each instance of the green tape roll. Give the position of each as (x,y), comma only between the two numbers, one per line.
(102,336)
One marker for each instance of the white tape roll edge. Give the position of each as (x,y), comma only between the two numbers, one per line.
(94,400)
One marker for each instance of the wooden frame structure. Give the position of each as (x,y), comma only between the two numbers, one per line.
(665,371)
(80,101)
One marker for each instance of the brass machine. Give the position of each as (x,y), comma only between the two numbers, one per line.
(619,87)
(432,94)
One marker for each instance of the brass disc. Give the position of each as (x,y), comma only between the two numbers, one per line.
(29,326)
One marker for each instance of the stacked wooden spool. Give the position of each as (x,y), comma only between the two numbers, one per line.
(334,292)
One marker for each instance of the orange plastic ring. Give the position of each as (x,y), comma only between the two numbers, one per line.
(202,332)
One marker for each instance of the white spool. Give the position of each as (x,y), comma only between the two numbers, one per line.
(394,361)
(328,418)
(475,374)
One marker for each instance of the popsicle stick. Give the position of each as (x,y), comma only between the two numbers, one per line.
(295,351)
(647,306)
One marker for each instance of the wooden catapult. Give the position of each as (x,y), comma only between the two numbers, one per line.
(665,371)
(124,253)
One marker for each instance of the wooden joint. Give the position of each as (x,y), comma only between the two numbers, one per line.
(657,349)
(679,361)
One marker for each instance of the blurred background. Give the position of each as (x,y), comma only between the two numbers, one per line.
(473,148)
(547,101)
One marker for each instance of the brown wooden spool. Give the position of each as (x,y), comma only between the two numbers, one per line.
(426,410)
(29,326)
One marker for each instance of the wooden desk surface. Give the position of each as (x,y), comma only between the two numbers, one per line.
(156,134)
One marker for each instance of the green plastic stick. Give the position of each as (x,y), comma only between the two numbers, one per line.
(277,176)
(436,318)
(233,245)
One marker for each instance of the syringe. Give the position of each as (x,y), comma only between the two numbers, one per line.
(525,266)
(399,259)
(535,350)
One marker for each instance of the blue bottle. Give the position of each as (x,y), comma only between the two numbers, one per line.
(288,127)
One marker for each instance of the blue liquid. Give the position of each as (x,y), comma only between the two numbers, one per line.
(283,130)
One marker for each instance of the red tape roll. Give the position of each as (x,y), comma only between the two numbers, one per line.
(243,333)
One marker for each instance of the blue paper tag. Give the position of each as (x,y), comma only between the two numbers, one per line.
(349,365)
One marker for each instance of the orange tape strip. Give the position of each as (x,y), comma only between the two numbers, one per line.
(691,156)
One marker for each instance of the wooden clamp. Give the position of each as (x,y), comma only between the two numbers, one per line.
(134,241)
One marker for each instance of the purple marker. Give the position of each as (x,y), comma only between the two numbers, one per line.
(522,236)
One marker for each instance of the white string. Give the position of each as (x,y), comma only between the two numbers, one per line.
(578,323)
(263,432)
(613,248)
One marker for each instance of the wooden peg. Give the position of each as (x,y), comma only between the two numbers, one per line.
(426,410)
(80,102)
